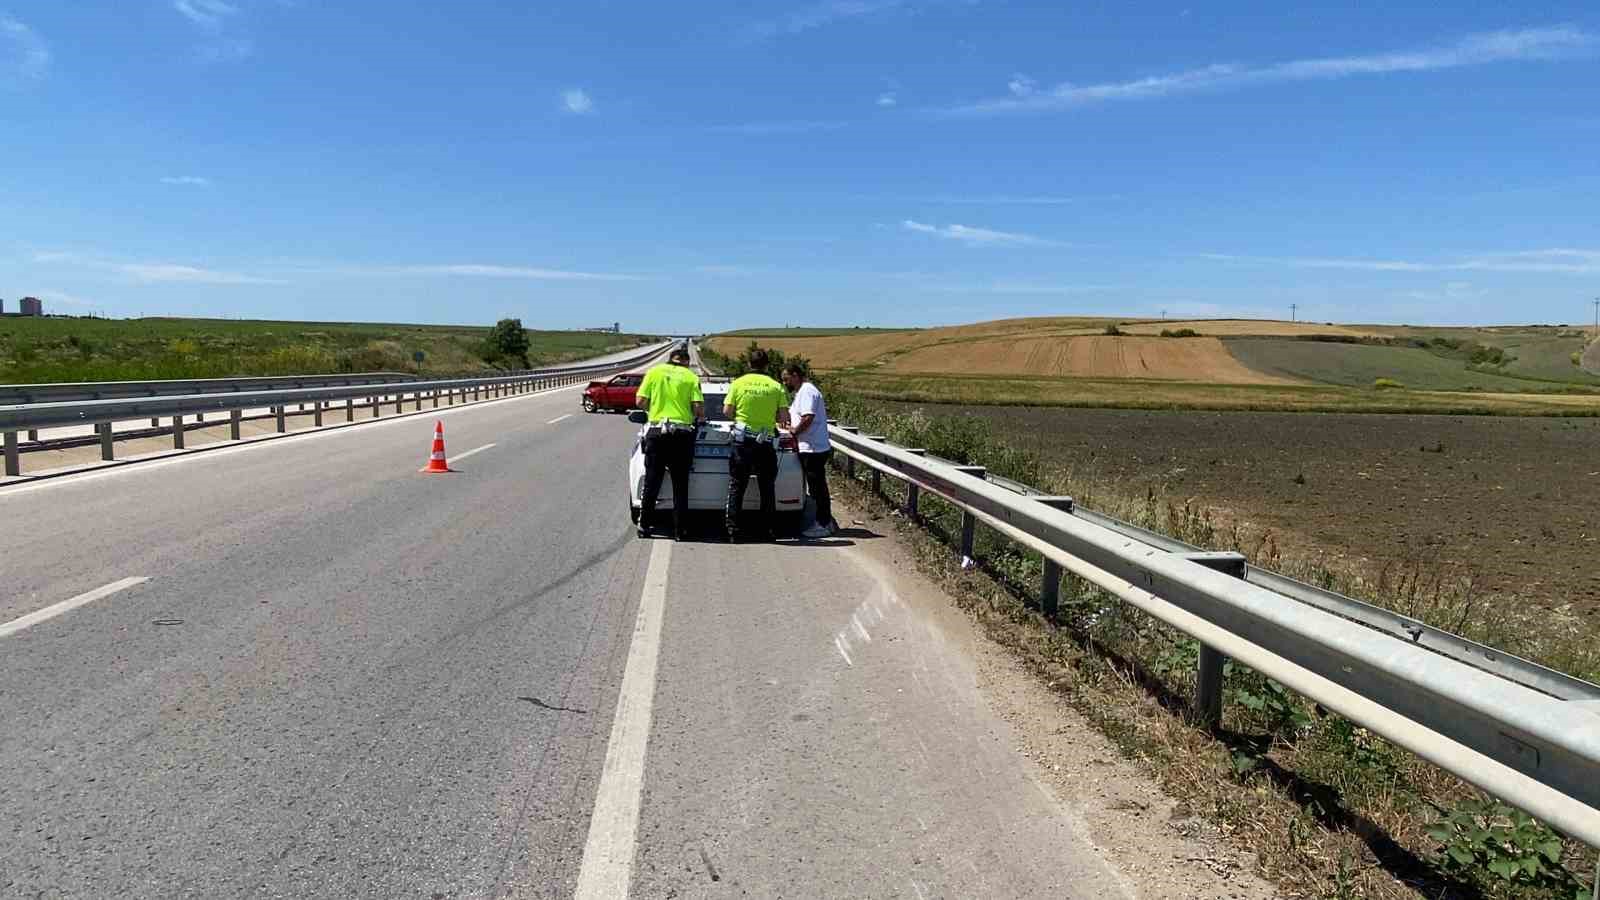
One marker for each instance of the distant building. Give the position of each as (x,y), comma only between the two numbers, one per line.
(613,328)
(31,306)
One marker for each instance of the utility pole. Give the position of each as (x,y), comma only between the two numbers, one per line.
(1294,312)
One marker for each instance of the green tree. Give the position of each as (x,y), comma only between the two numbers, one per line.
(507,340)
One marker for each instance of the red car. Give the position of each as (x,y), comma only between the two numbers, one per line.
(618,394)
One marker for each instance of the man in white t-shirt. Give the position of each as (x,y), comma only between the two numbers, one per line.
(808,421)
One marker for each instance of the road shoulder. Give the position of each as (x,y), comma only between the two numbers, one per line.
(1154,842)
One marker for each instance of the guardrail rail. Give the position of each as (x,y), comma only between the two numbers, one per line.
(102,414)
(1522,732)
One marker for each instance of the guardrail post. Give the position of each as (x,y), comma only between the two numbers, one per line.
(13,458)
(316,415)
(913,492)
(106,452)
(155,423)
(33,435)
(234,416)
(177,432)
(435,398)
(349,409)
(969,522)
(283,424)
(1208,677)
(399,402)
(419,401)
(376,411)
(1050,578)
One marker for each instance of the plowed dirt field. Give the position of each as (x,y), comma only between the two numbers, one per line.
(1514,502)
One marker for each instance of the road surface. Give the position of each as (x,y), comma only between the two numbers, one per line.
(301,669)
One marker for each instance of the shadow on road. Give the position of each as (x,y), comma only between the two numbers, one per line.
(543,705)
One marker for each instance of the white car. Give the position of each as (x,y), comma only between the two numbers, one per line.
(708,476)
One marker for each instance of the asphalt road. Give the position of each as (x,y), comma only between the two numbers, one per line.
(345,679)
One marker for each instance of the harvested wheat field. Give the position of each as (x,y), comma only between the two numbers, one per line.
(1188,359)
(1244,327)
(846,351)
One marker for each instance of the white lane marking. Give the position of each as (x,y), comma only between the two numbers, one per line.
(459,457)
(341,428)
(50,612)
(559,419)
(838,644)
(608,855)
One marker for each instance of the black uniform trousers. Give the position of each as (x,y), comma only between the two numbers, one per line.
(752,456)
(667,452)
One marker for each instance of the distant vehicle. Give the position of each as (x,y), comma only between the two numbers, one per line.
(620,393)
(708,477)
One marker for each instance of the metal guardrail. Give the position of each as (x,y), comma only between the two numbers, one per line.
(1525,734)
(102,414)
(65,392)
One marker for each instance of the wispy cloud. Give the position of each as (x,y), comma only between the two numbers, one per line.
(1557,260)
(1002,199)
(1024,288)
(205,13)
(766,128)
(978,237)
(23,54)
(498,271)
(170,273)
(817,16)
(577,101)
(186,181)
(887,98)
(1549,43)
(152,272)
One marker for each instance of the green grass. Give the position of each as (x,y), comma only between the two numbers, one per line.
(41,350)
(808,332)
(1362,364)
(1127,393)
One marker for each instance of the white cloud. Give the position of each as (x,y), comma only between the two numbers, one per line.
(887,98)
(150,272)
(1004,199)
(205,13)
(577,101)
(817,16)
(168,273)
(978,237)
(1550,43)
(187,181)
(1024,288)
(23,54)
(495,271)
(766,128)
(1558,261)
(1022,86)
(226,50)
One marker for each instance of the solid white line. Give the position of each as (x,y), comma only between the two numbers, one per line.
(608,855)
(462,456)
(559,419)
(50,612)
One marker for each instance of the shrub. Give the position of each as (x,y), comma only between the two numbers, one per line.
(1387,384)
(1179,332)
(1113,331)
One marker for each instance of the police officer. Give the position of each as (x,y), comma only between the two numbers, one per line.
(752,403)
(670,393)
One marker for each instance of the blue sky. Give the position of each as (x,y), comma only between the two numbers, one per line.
(725,164)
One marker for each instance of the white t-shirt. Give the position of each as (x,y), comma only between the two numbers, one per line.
(808,402)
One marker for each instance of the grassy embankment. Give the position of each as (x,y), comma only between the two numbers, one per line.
(63,349)
(1329,809)
(1231,365)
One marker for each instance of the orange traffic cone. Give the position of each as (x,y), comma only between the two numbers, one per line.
(436,462)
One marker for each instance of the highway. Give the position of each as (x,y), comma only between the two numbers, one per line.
(301,669)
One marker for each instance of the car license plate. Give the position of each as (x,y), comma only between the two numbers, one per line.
(713,452)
